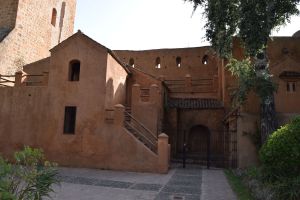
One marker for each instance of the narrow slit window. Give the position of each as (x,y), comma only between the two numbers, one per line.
(205,60)
(291,86)
(131,62)
(157,63)
(70,120)
(294,87)
(53,18)
(74,70)
(178,61)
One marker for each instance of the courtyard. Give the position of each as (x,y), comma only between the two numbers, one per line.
(191,183)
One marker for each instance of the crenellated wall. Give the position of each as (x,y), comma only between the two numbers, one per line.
(191,62)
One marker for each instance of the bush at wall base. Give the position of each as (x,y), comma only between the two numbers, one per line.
(280,157)
(29,178)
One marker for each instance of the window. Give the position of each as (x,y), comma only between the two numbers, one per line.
(53,18)
(74,70)
(70,119)
(178,61)
(205,60)
(157,63)
(131,62)
(291,86)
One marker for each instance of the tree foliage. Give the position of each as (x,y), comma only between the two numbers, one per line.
(30,178)
(280,157)
(251,20)
(249,80)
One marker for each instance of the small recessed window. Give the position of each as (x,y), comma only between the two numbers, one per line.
(205,60)
(178,61)
(53,18)
(291,86)
(74,70)
(157,63)
(131,62)
(70,120)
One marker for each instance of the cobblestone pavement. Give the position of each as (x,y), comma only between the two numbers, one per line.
(178,184)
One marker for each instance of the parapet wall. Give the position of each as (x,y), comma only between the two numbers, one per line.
(174,63)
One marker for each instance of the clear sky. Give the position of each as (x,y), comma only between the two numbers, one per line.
(147,24)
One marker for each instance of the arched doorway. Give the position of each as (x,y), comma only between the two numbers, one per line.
(198,143)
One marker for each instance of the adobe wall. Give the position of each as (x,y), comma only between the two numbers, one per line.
(38,67)
(87,94)
(35,115)
(247,127)
(22,117)
(34,35)
(141,78)
(148,110)
(283,53)
(191,62)
(183,120)
(8,13)
(24,121)
(115,83)
(247,130)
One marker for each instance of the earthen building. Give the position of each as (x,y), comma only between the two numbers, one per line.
(88,106)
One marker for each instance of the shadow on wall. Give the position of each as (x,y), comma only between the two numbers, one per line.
(114,96)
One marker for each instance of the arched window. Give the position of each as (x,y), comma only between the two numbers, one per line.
(205,60)
(131,62)
(53,18)
(157,63)
(178,61)
(74,70)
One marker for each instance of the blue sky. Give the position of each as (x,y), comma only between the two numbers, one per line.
(147,24)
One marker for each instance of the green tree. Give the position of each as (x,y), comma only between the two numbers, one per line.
(29,178)
(252,21)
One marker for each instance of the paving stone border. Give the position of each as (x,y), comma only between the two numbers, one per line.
(110,183)
(184,184)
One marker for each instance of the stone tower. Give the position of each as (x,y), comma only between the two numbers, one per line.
(30,28)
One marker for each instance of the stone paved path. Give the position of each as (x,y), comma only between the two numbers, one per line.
(215,186)
(192,183)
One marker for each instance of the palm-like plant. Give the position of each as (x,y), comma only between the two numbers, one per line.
(30,178)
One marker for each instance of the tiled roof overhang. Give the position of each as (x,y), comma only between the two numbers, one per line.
(194,103)
(289,74)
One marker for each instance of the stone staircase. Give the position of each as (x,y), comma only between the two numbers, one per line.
(139,131)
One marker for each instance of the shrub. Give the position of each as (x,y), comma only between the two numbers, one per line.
(287,188)
(30,178)
(280,157)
